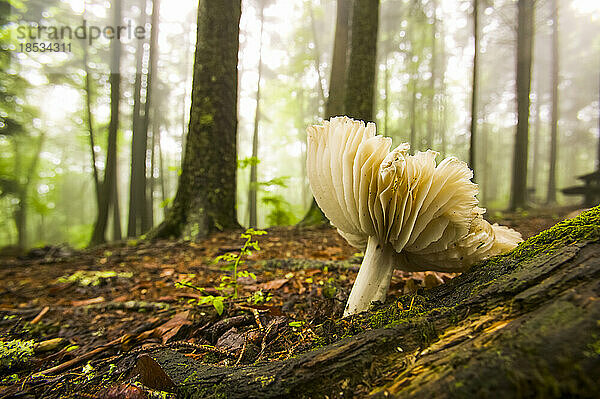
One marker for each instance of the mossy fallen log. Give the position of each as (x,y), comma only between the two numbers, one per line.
(526,324)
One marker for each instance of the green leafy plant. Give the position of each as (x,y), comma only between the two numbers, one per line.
(233,261)
(229,285)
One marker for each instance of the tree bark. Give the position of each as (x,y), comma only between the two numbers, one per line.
(147,217)
(109,184)
(337,80)
(360,84)
(253,183)
(90,121)
(474,91)
(205,199)
(413,68)
(317,55)
(137,184)
(551,196)
(520,325)
(518,194)
(537,134)
(431,106)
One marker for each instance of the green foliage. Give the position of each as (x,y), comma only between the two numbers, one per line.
(249,161)
(234,260)
(229,284)
(281,211)
(15,353)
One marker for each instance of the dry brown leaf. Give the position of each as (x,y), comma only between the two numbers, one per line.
(273,284)
(168,330)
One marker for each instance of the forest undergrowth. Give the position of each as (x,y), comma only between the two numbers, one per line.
(77,321)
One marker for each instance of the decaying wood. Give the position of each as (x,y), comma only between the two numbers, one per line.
(519,326)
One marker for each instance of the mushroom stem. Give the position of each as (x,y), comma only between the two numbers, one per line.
(373,279)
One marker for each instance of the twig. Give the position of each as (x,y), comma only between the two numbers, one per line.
(70,363)
(37,318)
(257,319)
(125,339)
(239,359)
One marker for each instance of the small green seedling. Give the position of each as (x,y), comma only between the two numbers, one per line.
(234,260)
(229,285)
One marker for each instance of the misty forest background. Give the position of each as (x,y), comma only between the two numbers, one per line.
(456,76)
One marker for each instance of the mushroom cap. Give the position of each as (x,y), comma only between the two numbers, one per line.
(428,213)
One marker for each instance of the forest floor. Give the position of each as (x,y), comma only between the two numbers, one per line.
(83,317)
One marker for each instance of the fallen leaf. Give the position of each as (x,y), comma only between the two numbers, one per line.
(169,329)
(274,284)
(167,272)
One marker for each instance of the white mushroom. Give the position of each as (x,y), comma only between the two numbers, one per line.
(402,210)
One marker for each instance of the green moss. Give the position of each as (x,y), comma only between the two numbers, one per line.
(585,227)
(86,278)
(15,353)
(593,348)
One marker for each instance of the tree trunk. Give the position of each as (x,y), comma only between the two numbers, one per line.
(537,134)
(486,166)
(443,109)
(162,176)
(90,121)
(109,184)
(253,183)
(23,186)
(431,105)
(151,179)
(117,234)
(518,194)
(551,197)
(520,325)
(337,89)
(386,99)
(337,80)
(205,199)
(137,185)
(360,84)
(413,68)
(475,82)
(317,55)
(148,216)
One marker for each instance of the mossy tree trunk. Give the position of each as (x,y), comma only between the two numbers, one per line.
(206,193)
(360,84)
(521,325)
